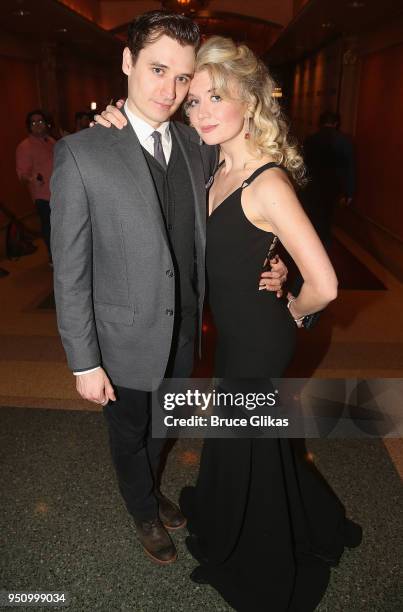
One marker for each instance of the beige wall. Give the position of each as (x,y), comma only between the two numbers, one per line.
(19,74)
(35,75)
(372,99)
(315,88)
(361,77)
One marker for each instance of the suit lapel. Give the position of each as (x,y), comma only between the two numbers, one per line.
(191,153)
(126,144)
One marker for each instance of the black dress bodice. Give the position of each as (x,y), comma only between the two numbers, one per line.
(256,334)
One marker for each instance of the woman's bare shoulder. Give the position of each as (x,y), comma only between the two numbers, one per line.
(273,184)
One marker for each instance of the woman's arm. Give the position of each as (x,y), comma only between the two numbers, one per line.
(277,203)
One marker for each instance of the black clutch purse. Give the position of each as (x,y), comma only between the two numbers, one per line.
(310,320)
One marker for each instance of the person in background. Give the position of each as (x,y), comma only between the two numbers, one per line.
(82,119)
(329,158)
(34,165)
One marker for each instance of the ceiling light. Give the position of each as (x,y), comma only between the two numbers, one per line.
(186,6)
(21,13)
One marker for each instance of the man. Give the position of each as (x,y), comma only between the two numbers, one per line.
(34,164)
(329,158)
(128,235)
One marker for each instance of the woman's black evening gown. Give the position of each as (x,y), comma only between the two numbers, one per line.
(264,526)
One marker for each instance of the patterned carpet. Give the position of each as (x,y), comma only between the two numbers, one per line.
(67,530)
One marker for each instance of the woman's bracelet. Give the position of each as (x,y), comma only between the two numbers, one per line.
(300,321)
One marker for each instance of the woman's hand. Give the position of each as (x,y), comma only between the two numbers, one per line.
(111,116)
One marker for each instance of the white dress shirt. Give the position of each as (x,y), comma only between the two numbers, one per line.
(144,133)
(144,130)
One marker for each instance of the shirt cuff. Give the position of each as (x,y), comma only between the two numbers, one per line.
(79,372)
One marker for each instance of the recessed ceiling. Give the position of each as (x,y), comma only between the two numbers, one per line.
(256,33)
(321,21)
(53,22)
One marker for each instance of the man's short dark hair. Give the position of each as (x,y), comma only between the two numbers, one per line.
(150,26)
(29,116)
(329,118)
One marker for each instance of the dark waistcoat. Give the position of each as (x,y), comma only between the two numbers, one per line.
(174,190)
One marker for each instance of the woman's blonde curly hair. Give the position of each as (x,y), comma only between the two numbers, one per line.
(229,63)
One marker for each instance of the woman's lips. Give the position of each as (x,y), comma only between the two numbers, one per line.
(208,128)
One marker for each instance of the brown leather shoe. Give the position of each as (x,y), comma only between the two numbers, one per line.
(170,515)
(156,541)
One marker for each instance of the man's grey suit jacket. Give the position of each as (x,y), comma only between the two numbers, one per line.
(114,290)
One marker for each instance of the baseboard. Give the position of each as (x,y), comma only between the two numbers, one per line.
(385,247)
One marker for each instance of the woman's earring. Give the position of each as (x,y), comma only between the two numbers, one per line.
(248,128)
(200,140)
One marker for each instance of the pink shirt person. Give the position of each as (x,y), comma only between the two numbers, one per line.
(34,156)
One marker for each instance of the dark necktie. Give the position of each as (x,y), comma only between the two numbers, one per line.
(158,150)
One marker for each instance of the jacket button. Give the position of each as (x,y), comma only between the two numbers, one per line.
(169,312)
(169,273)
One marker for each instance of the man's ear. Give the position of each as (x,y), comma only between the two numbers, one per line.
(127,63)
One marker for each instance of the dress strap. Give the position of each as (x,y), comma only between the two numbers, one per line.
(258,171)
(211,179)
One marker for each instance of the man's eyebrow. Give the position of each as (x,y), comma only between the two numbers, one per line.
(159,65)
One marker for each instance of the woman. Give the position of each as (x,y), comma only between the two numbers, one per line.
(264,528)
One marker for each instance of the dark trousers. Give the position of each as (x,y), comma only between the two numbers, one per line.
(135,454)
(44,215)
